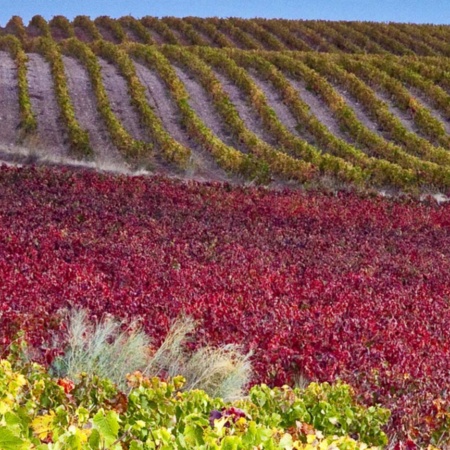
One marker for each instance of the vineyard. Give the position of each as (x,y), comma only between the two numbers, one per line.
(318,279)
(265,101)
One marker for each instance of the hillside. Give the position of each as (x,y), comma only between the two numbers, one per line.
(310,102)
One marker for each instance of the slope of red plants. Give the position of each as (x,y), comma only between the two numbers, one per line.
(319,284)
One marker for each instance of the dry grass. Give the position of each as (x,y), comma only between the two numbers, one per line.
(221,372)
(112,349)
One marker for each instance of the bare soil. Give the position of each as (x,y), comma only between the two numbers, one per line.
(117,90)
(159,99)
(51,133)
(9,100)
(86,112)
(107,34)
(82,34)
(427,103)
(132,35)
(202,164)
(33,31)
(403,116)
(58,34)
(250,117)
(275,101)
(182,40)
(359,111)
(203,106)
(155,36)
(319,109)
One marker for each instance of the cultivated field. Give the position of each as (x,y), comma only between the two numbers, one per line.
(309,102)
(267,143)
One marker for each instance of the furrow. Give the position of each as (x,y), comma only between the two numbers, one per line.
(9,100)
(85,106)
(50,134)
(121,106)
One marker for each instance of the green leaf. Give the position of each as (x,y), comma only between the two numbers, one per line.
(135,445)
(231,443)
(94,439)
(10,442)
(73,442)
(107,425)
(193,434)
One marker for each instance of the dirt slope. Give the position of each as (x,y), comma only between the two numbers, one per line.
(51,134)
(120,101)
(202,164)
(85,105)
(9,102)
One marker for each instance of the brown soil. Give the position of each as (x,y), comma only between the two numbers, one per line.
(155,36)
(203,106)
(250,117)
(359,111)
(319,109)
(82,34)
(403,116)
(132,35)
(51,134)
(159,99)
(9,101)
(107,34)
(85,106)
(275,101)
(182,40)
(58,34)
(117,90)
(202,164)
(33,31)
(427,103)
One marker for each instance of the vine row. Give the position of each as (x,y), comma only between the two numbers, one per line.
(278,162)
(227,157)
(78,137)
(172,150)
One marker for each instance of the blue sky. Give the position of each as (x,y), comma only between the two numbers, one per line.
(417,11)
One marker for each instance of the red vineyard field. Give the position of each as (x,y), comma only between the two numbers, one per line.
(320,285)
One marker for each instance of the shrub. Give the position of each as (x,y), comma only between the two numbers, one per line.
(111,349)
(41,412)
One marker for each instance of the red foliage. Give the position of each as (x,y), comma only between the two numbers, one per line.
(324,285)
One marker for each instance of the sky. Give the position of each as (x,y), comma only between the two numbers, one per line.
(415,11)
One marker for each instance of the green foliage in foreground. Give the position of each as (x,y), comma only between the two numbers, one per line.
(40,412)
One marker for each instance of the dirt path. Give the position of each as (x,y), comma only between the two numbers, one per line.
(202,164)
(236,43)
(319,109)
(9,101)
(132,36)
(51,133)
(83,99)
(82,34)
(157,38)
(403,116)
(107,34)
(427,103)
(203,106)
(359,111)
(181,38)
(161,102)
(209,42)
(275,101)
(117,90)
(250,117)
